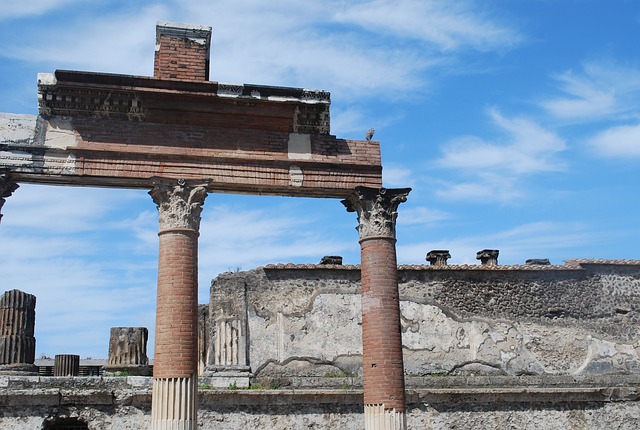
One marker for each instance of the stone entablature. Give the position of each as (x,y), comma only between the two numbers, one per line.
(123,131)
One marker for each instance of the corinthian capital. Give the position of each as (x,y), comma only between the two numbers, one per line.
(179,204)
(377,210)
(7,187)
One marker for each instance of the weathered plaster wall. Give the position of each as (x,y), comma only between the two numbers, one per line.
(581,318)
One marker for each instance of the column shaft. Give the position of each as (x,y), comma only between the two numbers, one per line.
(382,361)
(383,366)
(175,369)
(175,353)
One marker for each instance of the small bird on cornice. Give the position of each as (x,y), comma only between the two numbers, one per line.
(369,134)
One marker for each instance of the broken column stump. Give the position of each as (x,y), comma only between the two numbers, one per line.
(66,365)
(128,351)
(17,324)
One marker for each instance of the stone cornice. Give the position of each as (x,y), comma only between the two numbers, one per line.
(7,187)
(377,210)
(124,97)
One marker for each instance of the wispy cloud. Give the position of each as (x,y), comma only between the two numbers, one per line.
(300,44)
(525,148)
(422,216)
(11,9)
(600,90)
(440,24)
(618,141)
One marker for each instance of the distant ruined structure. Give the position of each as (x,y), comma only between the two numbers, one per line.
(374,345)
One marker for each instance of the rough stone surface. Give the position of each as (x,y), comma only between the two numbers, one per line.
(470,402)
(128,351)
(580,319)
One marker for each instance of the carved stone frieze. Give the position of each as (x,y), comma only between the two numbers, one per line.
(312,118)
(7,187)
(179,204)
(64,101)
(377,210)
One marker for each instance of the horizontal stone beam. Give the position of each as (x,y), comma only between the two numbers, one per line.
(110,130)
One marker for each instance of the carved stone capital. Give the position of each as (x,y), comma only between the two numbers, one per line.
(377,210)
(7,187)
(179,204)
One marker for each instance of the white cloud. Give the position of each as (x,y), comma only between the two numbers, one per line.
(529,149)
(496,167)
(396,176)
(601,90)
(12,9)
(620,141)
(441,24)
(120,42)
(421,216)
(279,42)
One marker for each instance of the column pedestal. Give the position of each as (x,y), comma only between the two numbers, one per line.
(382,361)
(173,404)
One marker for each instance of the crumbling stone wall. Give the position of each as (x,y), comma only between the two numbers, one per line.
(578,319)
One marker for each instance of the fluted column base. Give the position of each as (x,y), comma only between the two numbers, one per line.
(173,404)
(376,417)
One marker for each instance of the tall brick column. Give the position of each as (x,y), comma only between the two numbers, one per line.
(383,368)
(7,187)
(175,369)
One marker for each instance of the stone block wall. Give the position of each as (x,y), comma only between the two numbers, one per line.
(526,403)
(303,321)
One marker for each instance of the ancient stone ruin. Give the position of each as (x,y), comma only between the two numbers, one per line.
(128,351)
(329,345)
(17,325)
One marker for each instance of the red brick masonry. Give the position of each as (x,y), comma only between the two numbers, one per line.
(383,369)
(177,306)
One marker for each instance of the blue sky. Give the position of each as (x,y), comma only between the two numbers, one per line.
(516,123)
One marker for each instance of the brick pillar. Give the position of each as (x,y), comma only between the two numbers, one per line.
(17,324)
(383,368)
(175,367)
(182,51)
(7,187)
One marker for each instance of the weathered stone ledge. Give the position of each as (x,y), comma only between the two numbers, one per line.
(573,264)
(136,391)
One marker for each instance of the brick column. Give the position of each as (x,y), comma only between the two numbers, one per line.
(175,367)
(7,187)
(383,369)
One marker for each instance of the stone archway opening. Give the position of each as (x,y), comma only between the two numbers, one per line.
(65,424)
